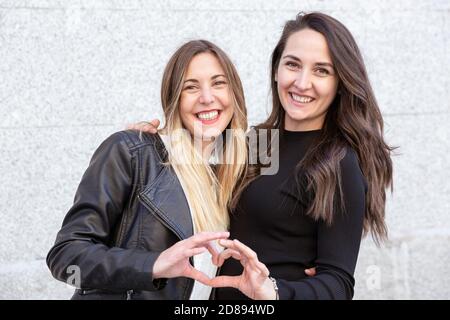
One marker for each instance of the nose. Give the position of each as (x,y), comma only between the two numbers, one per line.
(303,80)
(206,96)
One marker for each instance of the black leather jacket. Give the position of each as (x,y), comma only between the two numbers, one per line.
(129,207)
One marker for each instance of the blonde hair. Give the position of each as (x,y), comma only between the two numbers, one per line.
(209,191)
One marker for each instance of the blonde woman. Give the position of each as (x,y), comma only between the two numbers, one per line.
(149,207)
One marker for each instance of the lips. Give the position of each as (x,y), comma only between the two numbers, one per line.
(300,99)
(208,116)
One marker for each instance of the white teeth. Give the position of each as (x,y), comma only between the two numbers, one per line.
(301,99)
(208,115)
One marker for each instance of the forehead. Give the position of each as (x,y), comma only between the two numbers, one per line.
(204,64)
(308,44)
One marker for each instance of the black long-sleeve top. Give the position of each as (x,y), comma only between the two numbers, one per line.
(270,218)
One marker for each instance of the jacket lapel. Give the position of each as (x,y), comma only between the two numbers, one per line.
(166,198)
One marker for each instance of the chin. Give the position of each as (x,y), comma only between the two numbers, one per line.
(214,132)
(296,115)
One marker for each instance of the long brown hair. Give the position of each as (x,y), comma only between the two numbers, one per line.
(208,191)
(353,120)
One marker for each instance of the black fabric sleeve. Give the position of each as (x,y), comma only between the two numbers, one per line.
(87,232)
(338,244)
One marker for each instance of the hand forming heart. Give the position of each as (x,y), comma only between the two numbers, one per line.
(254,280)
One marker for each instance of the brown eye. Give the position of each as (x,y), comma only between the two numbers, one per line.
(292,65)
(323,71)
(220,83)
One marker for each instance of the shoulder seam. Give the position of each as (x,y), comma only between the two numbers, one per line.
(134,141)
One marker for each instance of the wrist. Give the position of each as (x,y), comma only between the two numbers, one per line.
(276,295)
(156,270)
(269,290)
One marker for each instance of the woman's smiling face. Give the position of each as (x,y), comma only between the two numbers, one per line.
(306,80)
(205,102)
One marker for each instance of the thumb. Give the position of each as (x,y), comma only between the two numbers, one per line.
(311,271)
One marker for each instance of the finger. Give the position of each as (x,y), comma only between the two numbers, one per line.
(249,253)
(257,266)
(155,123)
(224,281)
(227,243)
(135,126)
(311,272)
(148,128)
(203,237)
(227,253)
(152,126)
(213,251)
(145,127)
(193,273)
(250,257)
(262,267)
(140,126)
(194,251)
(230,244)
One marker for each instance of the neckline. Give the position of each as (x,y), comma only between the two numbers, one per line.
(296,135)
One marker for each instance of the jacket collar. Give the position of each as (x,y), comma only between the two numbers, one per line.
(166,198)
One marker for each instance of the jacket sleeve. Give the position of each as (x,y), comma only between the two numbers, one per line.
(87,230)
(338,244)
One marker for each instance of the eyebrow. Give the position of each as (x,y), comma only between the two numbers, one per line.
(326,64)
(212,78)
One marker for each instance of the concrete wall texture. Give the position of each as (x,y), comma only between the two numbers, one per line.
(73,72)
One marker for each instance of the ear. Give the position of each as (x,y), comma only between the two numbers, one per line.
(276,76)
